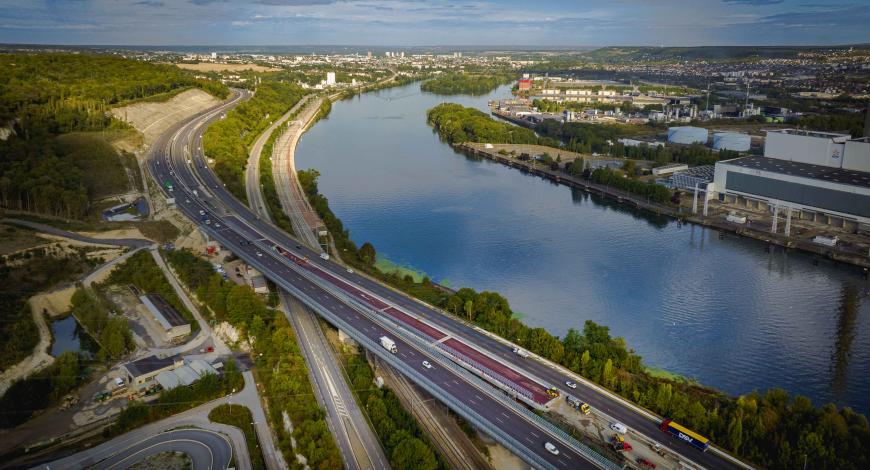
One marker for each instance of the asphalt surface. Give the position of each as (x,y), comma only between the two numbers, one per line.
(359,446)
(170,164)
(130,242)
(221,209)
(207,450)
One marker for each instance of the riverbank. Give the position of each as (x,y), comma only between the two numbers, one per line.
(716,216)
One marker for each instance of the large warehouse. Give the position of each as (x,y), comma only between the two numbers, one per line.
(817,176)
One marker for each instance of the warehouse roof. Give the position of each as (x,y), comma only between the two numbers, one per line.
(149,364)
(804,170)
(163,312)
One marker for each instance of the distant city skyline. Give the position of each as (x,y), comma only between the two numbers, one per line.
(407,23)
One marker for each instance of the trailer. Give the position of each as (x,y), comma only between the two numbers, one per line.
(681,432)
(389,344)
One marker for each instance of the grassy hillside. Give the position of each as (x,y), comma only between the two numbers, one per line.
(44,98)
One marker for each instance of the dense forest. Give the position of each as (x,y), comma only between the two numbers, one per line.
(45,95)
(229,140)
(456,124)
(280,367)
(771,429)
(456,83)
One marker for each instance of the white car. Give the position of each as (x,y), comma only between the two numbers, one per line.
(619,427)
(119,382)
(260,254)
(551,448)
(201,212)
(349,271)
(427,365)
(571,384)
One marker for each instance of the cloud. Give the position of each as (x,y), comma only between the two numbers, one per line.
(149,3)
(295,2)
(206,2)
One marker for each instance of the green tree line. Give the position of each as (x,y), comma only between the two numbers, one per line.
(280,367)
(41,390)
(771,429)
(229,140)
(405,444)
(456,124)
(655,192)
(45,95)
(240,417)
(455,83)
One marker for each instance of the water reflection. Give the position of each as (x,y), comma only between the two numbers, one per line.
(846,324)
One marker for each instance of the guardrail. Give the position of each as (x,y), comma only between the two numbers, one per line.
(424,344)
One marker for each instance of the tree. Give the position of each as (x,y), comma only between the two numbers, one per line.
(413,454)
(584,362)
(469,309)
(608,375)
(367,253)
(735,431)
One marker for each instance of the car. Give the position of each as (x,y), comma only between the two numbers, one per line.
(201,212)
(427,365)
(349,271)
(217,225)
(298,247)
(209,349)
(551,448)
(570,384)
(208,221)
(187,201)
(619,427)
(119,382)
(260,254)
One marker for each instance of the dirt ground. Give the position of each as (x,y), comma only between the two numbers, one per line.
(54,303)
(14,239)
(153,119)
(210,67)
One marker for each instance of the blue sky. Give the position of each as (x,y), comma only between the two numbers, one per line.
(435,22)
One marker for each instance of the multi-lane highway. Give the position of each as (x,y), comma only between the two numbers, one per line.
(177,162)
(372,310)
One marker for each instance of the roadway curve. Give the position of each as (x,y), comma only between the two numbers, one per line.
(207,450)
(220,209)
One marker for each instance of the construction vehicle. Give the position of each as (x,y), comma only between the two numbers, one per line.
(578,405)
(553,392)
(657,448)
(619,444)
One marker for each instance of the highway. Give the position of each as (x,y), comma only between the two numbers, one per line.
(232,224)
(355,299)
(357,442)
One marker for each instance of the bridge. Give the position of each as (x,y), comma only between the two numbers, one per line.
(474,373)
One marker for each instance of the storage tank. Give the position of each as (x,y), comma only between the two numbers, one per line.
(687,135)
(731,141)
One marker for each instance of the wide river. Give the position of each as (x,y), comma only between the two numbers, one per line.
(728,312)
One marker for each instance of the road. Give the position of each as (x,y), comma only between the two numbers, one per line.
(207,450)
(126,444)
(252,169)
(129,242)
(231,223)
(359,446)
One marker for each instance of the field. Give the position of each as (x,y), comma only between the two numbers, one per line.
(211,67)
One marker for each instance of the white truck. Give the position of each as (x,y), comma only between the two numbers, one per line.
(388,344)
(520,352)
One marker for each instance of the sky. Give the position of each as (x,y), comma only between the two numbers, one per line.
(581,23)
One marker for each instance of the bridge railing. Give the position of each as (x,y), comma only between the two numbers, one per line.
(426,344)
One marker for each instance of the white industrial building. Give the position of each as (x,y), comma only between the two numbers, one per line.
(817,176)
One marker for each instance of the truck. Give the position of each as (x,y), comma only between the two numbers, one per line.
(389,344)
(168,185)
(681,432)
(520,352)
(578,405)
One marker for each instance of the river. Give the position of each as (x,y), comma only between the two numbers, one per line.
(729,312)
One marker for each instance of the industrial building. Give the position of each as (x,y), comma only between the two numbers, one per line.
(141,373)
(816,176)
(687,135)
(170,322)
